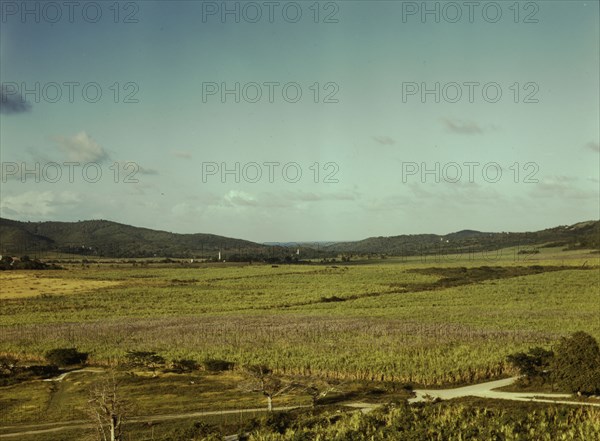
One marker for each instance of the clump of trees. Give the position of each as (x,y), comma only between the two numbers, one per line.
(217,365)
(534,365)
(145,360)
(573,365)
(184,365)
(576,364)
(65,357)
(24,263)
(12,372)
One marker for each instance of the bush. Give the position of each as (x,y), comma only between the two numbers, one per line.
(8,364)
(44,371)
(274,422)
(142,359)
(216,365)
(534,365)
(66,356)
(184,365)
(198,431)
(576,366)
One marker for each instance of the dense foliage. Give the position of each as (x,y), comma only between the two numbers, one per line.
(576,364)
(394,324)
(65,356)
(443,421)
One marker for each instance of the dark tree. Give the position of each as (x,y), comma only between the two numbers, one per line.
(534,365)
(66,356)
(148,360)
(217,365)
(184,365)
(576,366)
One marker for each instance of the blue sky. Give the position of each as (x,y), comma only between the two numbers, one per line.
(368,140)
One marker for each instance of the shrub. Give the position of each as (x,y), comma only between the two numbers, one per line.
(216,365)
(198,431)
(576,366)
(143,359)
(533,365)
(44,371)
(8,364)
(184,365)
(66,356)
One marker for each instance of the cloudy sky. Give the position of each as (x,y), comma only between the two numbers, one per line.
(295,121)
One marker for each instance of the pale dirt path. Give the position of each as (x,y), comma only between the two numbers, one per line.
(486,390)
(481,390)
(82,424)
(62,376)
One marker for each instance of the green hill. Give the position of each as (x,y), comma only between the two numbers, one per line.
(105,238)
(112,239)
(580,235)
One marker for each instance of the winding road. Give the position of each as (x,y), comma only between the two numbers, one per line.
(481,390)
(487,390)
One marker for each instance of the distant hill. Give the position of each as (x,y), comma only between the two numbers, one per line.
(111,239)
(581,235)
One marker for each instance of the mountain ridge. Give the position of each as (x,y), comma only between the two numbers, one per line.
(584,234)
(114,239)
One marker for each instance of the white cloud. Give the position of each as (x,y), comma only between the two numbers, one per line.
(34,203)
(562,187)
(239,198)
(81,148)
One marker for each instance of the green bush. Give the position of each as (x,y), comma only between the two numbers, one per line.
(184,365)
(8,364)
(216,365)
(198,431)
(65,356)
(534,365)
(143,359)
(576,365)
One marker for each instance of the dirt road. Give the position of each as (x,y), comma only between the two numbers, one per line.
(486,390)
(82,424)
(482,390)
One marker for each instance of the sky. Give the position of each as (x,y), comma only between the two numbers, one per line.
(301,121)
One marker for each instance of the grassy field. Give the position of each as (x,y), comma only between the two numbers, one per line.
(440,321)
(429,323)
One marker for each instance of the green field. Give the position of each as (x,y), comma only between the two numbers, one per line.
(437,322)
(397,321)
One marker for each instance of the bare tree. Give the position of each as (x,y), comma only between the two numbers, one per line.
(108,409)
(263,380)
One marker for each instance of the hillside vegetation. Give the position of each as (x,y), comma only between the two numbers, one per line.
(105,238)
(578,236)
(111,239)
